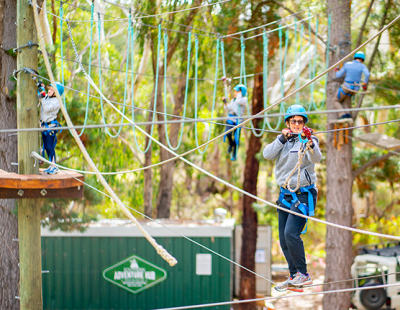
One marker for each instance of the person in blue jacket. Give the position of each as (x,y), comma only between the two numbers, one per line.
(284,149)
(352,72)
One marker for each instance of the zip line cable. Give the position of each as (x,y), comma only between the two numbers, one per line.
(146,167)
(210,174)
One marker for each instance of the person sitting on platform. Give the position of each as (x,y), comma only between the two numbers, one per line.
(235,110)
(48,119)
(285,150)
(352,71)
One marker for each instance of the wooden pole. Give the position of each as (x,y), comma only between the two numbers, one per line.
(27,117)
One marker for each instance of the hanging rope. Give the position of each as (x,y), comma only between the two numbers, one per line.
(165,92)
(90,67)
(196,93)
(312,63)
(101,84)
(328,49)
(155,98)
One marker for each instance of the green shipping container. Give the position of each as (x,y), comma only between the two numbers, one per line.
(115,267)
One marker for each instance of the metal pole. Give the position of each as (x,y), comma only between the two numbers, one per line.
(27,117)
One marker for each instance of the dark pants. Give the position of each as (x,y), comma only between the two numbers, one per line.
(290,228)
(230,135)
(49,145)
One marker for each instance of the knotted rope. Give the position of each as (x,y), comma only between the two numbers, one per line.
(302,151)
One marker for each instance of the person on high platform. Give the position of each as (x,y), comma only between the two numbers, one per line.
(48,119)
(235,110)
(284,149)
(352,72)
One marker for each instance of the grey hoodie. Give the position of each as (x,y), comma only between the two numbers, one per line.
(49,109)
(285,153)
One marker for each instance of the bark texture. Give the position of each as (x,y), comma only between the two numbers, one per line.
(339,208)
(9,253)
(249,219)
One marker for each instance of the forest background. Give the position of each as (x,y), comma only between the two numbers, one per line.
(176,190)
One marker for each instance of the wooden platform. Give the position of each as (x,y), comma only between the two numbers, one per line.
(61,185)
(380,140)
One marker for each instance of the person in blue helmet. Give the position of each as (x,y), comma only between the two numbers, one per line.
(235,110)
(48,119)
(352,72)
(284,149)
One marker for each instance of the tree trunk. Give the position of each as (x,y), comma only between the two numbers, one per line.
(167,170)
(9,253)
(338,173)
(249,219)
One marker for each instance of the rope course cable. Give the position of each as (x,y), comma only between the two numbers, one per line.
(221,180)
(201,245)
(234,302)
(143,168)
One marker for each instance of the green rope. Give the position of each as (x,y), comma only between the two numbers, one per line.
(298,63)
(328,46)
(155,98)
(165,92)
(223,66)
(196,94)
(61,47)
(90,66)
(100,83)
(313,62)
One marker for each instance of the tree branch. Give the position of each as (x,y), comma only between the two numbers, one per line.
(298,15)
(372,162)
(364,23)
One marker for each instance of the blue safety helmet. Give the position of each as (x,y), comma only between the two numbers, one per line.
(242,88)
(60,88)
(294,110)
(360,55)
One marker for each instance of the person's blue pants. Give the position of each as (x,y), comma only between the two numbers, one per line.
(49,145)
(290,228)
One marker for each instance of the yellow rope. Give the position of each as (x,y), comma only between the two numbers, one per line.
(160,250)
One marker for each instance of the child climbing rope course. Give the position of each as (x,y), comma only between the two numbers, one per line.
(296,152)
(48,119)
(235,110)
(352,71)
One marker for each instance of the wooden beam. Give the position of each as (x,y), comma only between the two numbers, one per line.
(39,181)
(68,193)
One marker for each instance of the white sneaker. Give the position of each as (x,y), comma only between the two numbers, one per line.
(52,170)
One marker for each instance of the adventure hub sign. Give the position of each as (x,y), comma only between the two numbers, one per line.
(134,274)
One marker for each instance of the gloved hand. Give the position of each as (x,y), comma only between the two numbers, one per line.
(41,90)
(224,100)
(364,86)
(337,69)
(307,132)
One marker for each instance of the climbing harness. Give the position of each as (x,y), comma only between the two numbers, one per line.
(51,130)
